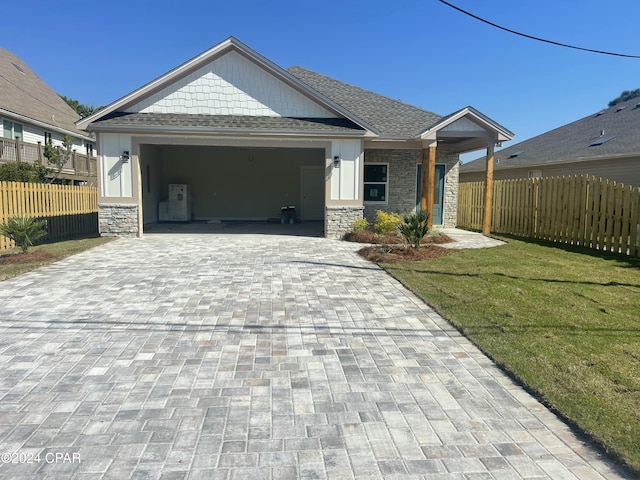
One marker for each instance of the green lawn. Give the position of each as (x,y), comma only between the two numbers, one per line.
(13,262)
(565,322)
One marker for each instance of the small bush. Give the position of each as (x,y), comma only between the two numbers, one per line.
(386,223)
(414,226)
(360,225)
(23,230)
(23,172)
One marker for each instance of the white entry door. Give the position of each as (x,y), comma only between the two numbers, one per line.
(312,185)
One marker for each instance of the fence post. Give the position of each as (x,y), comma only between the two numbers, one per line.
(18,153)
(488,191)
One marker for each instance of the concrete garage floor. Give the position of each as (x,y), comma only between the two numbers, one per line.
(303,229)
(255,356)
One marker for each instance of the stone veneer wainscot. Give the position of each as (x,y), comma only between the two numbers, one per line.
(339,220)
(118,220)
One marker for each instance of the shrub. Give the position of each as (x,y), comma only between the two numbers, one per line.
(386,223)
(23,230)
(360,225)
(23,172)
(414,226)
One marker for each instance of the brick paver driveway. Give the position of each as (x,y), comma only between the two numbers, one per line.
(204,356)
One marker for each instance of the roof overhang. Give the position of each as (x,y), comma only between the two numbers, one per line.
(465,131)
(44,125)
(187,131)
(228,45)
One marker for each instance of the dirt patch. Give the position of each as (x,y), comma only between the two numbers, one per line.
(34,256)
(392,239)
(395,253)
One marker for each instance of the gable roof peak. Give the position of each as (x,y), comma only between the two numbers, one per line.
(229,44)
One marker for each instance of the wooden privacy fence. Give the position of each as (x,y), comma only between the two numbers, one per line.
(577,210)
(70,211)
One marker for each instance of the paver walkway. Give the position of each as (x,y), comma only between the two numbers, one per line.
(254,356)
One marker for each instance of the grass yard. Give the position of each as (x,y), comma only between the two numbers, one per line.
(13,262)
(565,322)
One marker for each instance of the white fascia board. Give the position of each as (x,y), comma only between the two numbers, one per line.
(226,132)
(229,44)
(46,126)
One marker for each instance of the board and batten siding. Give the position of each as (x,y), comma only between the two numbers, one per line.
(345,179)
(622,170)
(115,175)
(231,85)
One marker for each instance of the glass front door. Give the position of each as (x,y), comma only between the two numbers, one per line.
(438,192)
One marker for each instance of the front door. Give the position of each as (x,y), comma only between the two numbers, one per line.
(438,192)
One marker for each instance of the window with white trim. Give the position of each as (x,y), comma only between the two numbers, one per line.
(89,149)
(535,173)
(11,129)
(376,182)
(47,136)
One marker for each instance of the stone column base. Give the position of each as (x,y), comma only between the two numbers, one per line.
(339,220)
(118,220)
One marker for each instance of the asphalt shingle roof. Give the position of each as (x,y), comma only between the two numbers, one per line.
(23,92)
(392,118)
(230,122)
(574,141)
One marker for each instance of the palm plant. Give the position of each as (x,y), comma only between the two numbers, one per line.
(414,226)
(24,231)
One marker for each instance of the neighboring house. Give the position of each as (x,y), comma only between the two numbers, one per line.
(605,144)
(31,113)
(249,137)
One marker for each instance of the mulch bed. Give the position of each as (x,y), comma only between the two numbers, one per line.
(392,239)
(397,253)
(389,248)
(30,257)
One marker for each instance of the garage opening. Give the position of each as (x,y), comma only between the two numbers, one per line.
(235,184)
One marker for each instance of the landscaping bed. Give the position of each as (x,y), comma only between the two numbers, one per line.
(14,262)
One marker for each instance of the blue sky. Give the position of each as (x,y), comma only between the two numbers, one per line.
(419,51)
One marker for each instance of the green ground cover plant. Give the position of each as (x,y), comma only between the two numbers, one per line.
(565,322)
(24,231)
(15,262)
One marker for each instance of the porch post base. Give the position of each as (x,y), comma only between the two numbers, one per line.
(118,220)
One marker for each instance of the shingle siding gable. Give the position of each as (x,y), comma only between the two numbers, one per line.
(231,85)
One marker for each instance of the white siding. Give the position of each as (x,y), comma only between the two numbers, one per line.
(231,85)
(34,134)
(345,180)
(115,176)
(31,134)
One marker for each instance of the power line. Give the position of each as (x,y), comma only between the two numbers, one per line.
(536,38)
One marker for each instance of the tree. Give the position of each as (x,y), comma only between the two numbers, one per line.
(624,96)
(57,156)
(80,108)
